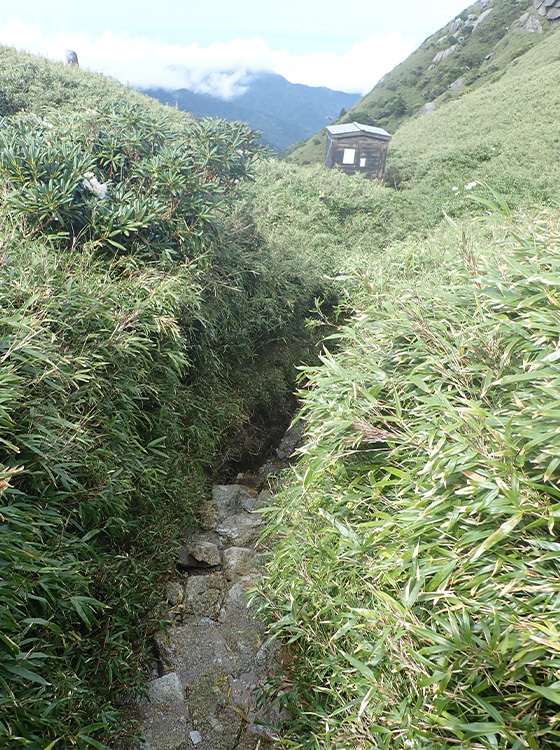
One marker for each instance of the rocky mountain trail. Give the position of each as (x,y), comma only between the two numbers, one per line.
(211,666)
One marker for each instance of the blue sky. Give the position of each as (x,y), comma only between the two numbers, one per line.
(213,46)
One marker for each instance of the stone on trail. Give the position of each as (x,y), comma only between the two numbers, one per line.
(165,727)
(236,598)
(211,712)
(238,561)
(166,690)
(189,648)
(200,554)
(241,529)
(174,592)
(227,500)
(204,595)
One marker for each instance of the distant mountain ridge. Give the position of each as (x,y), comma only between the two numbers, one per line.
(284,112)
(470,52)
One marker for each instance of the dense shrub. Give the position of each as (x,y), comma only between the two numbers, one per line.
(124,179)
(136,296)
(417,570)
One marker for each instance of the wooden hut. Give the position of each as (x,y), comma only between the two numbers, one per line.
(356,148)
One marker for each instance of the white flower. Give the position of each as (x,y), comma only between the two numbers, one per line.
(91,183)
(455,189)
(470,186)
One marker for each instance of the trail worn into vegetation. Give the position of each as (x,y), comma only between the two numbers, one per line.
(214,662)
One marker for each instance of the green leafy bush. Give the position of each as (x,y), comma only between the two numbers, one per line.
(144,320)
(124,179)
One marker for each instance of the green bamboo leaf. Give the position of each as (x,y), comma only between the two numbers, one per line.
(9,645)
(360,666)
(545,692)
(504,531)
(94,743)
(26,674)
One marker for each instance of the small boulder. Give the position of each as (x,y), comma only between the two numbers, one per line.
(238,561)
(204,595)
(241,529)
(200,554)
(227,500)
(166,691)
(174,592)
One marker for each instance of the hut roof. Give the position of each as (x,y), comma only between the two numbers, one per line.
(356,127)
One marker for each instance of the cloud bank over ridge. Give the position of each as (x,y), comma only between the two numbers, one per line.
(221,69)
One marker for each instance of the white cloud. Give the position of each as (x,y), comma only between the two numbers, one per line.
(221,69)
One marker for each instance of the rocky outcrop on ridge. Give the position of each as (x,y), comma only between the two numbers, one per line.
(549,9)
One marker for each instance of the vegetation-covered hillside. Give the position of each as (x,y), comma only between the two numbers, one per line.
(283,112)
(471,52)
(144,325)
(160,279)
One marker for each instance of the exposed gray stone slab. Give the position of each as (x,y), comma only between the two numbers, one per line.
(230,499)
(456,25)
(263,499)
(211,712)
(241,529)
(200,554)
(227,500)
(238,562)
(190,648)
(165,713)
(166,690)
(204,595)
(165,732)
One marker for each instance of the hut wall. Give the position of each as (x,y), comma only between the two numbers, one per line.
(361,153)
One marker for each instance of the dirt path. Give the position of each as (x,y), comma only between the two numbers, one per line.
(213,663)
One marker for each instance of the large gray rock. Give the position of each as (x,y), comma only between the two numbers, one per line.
(241,529)
(231,499)
(457,84)
(528,22)
(166,690)
(200,554)
(238,561)
(444,53)
(204,595)
(427,109)
(481,17)
(227,500)
(165,732)
(190,648)
(165,714)
(456,25)
(211,712)
(549,9)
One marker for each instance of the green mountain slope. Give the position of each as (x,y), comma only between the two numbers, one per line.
(505,132)
(467,54)
(284,112)
(31,82)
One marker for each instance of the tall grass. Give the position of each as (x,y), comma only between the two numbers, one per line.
(416,575)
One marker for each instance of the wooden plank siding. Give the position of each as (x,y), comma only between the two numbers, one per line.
(369,153)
